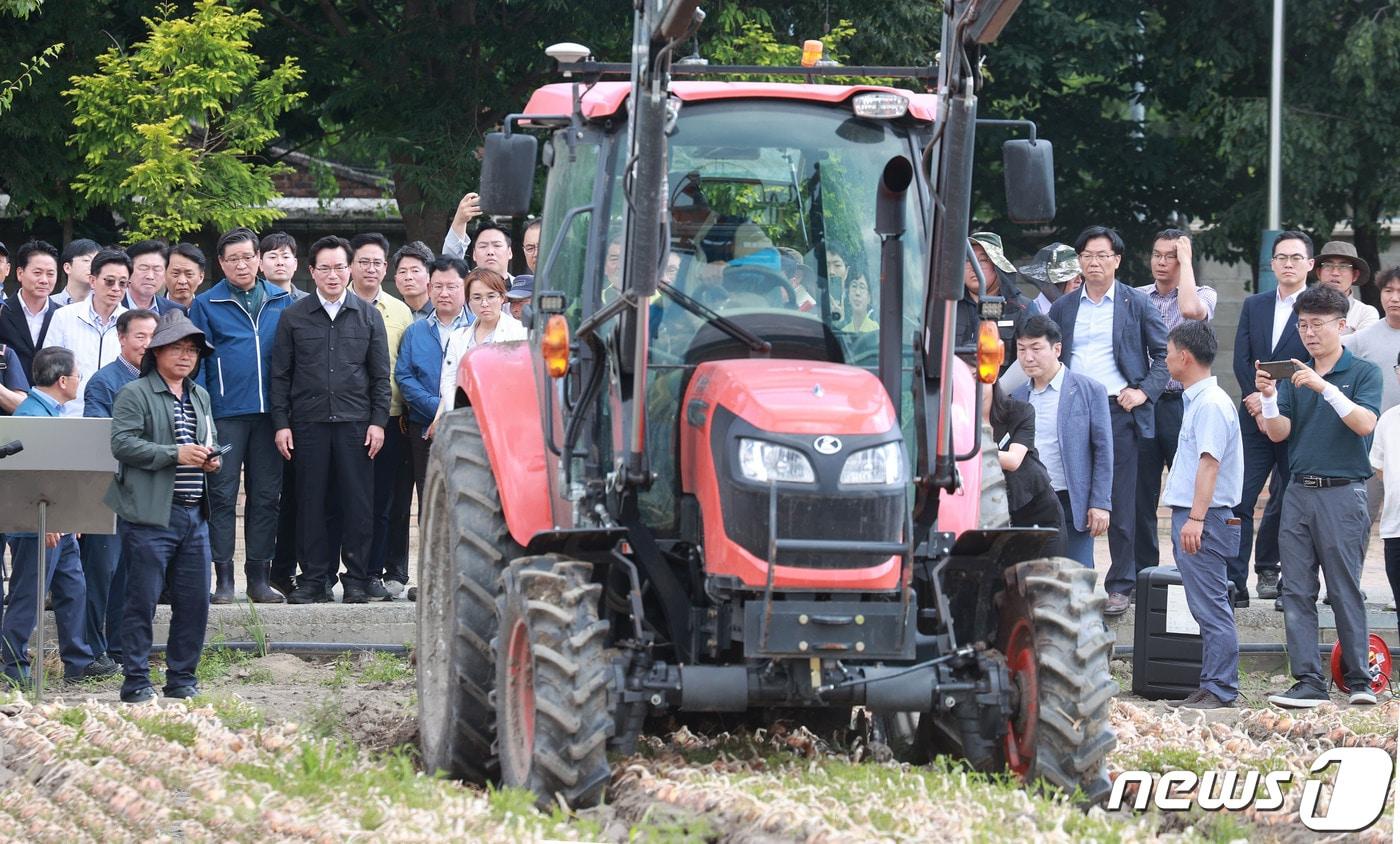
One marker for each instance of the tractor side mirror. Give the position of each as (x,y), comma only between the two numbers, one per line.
(1030,181)
(508,174)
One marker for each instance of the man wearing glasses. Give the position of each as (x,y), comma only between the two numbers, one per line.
(393,474)
(1329,404)
(1114,335)
(239,316)
(330,403)
(1267,331)
(89,328)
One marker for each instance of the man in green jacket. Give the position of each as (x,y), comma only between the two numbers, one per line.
(163,438)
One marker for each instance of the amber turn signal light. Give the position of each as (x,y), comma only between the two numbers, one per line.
(811,52)
(554,346)
(991,351)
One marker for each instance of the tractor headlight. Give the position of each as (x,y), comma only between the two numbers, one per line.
(764,462)
(882,465)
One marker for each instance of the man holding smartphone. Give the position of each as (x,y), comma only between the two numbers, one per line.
(1328,407)
(162,437)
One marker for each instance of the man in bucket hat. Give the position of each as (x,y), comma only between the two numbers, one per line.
(1339,267)
(163,438)
(999,275)
(1054,271)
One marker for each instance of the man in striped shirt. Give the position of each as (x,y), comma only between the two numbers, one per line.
(163,436)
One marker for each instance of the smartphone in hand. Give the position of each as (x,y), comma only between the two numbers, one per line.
(1279,370)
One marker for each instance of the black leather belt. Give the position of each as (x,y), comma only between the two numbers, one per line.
(188,503)
(1171,394)
(1319,482)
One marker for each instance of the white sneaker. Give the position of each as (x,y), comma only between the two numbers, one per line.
(1363,698)
(393,587)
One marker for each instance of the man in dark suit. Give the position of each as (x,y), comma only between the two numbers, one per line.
(1268,330)
(25,317)
(1114,335)
(1073,436)
(148,262)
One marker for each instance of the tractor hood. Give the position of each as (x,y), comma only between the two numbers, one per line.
(823,417)
(792,396)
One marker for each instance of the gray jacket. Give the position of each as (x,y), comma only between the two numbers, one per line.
(143,442)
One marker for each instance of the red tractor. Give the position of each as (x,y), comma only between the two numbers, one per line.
(738,467)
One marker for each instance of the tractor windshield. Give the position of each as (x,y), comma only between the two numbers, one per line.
(772,225)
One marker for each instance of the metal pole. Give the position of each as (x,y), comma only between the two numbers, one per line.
(36,671)
(1276,123)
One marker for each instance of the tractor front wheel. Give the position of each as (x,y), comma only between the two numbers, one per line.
(553,671)
(1057,652)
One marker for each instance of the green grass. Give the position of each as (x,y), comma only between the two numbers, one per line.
(235,713)
(1172,759)
(73,717)
(324,770)
(217,662)
(324,720)
(342,671)
(385,668)
(173,731)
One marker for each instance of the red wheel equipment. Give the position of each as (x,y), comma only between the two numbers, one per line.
(1378,664)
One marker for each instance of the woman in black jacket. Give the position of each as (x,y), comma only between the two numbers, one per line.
(1031,499)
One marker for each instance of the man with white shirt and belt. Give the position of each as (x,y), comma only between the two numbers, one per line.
(89,328)
(1267,331)
(1114,335)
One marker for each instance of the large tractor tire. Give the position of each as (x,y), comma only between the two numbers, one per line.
(465,548)
(1057,651)
(553,670)
(993,511)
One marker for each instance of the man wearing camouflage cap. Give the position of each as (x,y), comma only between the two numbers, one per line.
(999,275)
(1054,271)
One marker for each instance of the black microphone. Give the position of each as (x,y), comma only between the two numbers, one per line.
(11,447)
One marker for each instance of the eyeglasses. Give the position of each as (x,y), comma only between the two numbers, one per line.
(532,248)
(236,260)
(1335,265)
(489,297)
(1316,326)
(1164,256)
(1097,256)
(120,283)
(367,264)
(331,268)
(1290,260)
(184,350)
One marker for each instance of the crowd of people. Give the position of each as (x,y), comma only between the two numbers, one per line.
(1113,384)
(318,406)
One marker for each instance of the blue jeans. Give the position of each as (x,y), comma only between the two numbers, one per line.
(175,558)
(1205,577)
(101,560)
(65,582)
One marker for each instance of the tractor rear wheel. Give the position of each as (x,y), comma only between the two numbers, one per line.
(553,671)
(465,547)
(1057,651)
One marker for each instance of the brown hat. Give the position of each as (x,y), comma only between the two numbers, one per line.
(173,327)
(1346,251)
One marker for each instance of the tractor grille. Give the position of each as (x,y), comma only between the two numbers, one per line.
(859,517)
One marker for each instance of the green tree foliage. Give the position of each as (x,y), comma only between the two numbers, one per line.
(169,131)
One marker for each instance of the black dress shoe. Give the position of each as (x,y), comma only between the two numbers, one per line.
(141,695)
(182,692)
(286,585)
(376,591)
(354,595)
(308,595)
(1241,601)
(103,666)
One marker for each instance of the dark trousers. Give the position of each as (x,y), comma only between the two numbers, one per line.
(1208,597)
(254,457)
(175,559)
(1079,545)
(1324,531)
(1044,511)
(393,498)
(1122,571)
(64,581)
(285,557)
(1261,457)
(418,448)
(334,475)
(1155,456)
(102,555)
(1392,567)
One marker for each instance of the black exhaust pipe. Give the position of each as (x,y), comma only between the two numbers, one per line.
(889,225)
